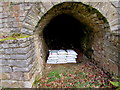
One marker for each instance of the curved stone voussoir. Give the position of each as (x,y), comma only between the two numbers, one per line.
(115,28)
(35,10)
(28,26)
(115,22)
(47,5)
(116,4)
(93,4)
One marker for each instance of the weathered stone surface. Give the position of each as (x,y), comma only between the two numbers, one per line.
(16,63)
(103,54)
(5,69)
(13,57)
(5,45)
(17,50)
(28,75)
(115,22)
(12,84)
(1,51)
(47,5)
(116,27)
(5,76)
(17,76)
(27,31)
(28,84)
(116,3)
(1,9)
(6,84)
(26,69)
(24,44)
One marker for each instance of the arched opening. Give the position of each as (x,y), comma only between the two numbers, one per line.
(66,32)
(71,26)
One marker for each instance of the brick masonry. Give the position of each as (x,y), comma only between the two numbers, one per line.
(21,60)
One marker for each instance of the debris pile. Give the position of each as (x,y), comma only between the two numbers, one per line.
(61,56)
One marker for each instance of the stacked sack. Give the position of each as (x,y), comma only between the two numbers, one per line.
(61,56)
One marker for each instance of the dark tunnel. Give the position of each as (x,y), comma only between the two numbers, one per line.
(66,32)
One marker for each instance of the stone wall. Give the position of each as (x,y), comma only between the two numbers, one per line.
(17,62)
(105,53)
(12,15)
(21,60)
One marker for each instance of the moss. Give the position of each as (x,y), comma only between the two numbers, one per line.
(15,36)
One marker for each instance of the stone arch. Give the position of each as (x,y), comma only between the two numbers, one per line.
(107,9)
(105,43)
(39,12)
(84,13)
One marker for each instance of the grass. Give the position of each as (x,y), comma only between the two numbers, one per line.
(65,78)
(14,36)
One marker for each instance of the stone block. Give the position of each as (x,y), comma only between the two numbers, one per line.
(21,18)
(28,75)
(1,22)
(5,69)
(6,84)
(27,31)
(30,53)
(28,84)
(27,7)
(47,5)
(1,9)
(42,8)
(11,19)
(17,84)
(1,46)
(1,51)
(12,84)
(22,39)
(24,44)
(1,25)
(116,4)
(5,76)
(21,50)
(5,15)
(5,45)
(115,22)
(13,57)
(116,27)
(2,57)
(17,76)
(26,69)
(113,67)
(13,45)
(8,51)
(16,63)
(18,57)
(5,20)
(11,41)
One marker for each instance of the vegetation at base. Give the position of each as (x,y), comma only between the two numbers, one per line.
(116,83)
(14,36)
(86,77)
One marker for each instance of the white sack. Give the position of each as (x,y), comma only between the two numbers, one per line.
(62,52)
(71,52)
(53,52)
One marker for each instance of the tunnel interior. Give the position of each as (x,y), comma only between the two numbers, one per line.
(66,32)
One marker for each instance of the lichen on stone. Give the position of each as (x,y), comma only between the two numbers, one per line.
(14,36)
